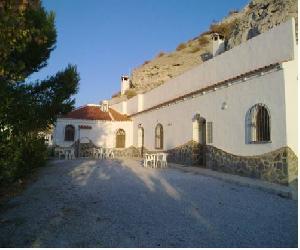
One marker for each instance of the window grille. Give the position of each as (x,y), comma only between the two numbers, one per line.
(120,139)
(209,132)
(258,124)
(69,133)
(159,135)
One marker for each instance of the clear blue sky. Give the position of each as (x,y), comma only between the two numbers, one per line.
(108,38)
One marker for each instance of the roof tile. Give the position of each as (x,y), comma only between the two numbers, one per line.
(95,113)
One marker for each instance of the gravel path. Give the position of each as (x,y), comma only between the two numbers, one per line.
(88,203)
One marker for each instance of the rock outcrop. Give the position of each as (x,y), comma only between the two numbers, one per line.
(257,17)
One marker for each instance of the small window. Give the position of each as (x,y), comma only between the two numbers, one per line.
(258,129)
(120,138)
(209,132)
(69,133)
(159,136)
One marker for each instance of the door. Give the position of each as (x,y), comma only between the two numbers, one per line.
(141,140)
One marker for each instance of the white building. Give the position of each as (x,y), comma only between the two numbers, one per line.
(236,112)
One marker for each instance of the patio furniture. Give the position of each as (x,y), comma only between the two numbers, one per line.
(67,152)
(161,158)
(108,153)
(60,152)
(149,158)
(100,153)
(97,153)
(156,160)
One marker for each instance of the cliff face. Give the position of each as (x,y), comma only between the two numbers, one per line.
(257,17)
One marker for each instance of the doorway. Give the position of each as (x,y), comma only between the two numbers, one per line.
(141,140)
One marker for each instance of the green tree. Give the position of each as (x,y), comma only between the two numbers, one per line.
(27,37)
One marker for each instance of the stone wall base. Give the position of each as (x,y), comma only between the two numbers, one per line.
(127,152)
(190,153)
(279,166)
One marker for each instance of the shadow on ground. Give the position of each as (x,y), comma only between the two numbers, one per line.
(118,203)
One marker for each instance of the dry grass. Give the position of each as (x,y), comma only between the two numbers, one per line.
(225,29)
(130,93)
(234,11)
(160,54)
(181,46)
(203,40)
(195,49)
(146,62)
(116,95)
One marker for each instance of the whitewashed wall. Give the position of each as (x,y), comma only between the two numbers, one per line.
(118,107)
(291,103)
(277,90)
(132,105)
(229,124)
(103,133)
(273,46)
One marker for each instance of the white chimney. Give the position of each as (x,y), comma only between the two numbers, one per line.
(125,84)
(218,45)
(104,106)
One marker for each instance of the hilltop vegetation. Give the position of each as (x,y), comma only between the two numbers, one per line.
(239,26)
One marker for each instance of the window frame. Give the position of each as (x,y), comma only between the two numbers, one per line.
(67,137)
(123,141)
(258,131)
(159,137)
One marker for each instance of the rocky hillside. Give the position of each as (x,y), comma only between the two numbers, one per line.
(257,17)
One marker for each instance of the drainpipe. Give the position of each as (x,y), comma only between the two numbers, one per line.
(78,141)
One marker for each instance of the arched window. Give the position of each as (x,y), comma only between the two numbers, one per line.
(69,133)
(258,128)
(120,138)
(159,136)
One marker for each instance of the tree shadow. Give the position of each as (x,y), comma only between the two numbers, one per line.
(111,203)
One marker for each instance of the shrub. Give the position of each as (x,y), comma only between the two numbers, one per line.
(116,94)
(130,93)
(203,40)
(181,46)
(19,155)
(160,54)
(146,62)
(224,28)
(234,11)
(50,151)
(195,49)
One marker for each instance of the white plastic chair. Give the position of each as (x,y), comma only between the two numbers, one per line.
(96,153)
(104,153)
(68,153)
(71,154)
(162,160)
(149,158)
(61,152)
(100,153)
(110,154)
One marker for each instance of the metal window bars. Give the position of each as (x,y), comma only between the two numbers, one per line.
(259,124)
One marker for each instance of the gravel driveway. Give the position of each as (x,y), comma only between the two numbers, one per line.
(89,203)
